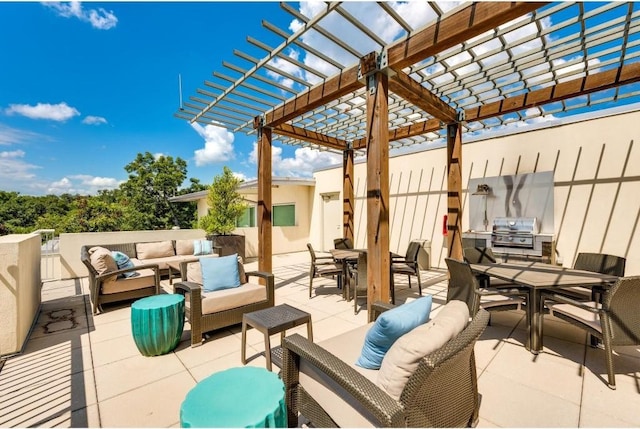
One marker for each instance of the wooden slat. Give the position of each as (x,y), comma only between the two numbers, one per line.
(264,202)
(310,136)
(403,85)
(454,190)
(412,130)
(378,259)
(348,198)
(469,22)
(334,87)
(585,85)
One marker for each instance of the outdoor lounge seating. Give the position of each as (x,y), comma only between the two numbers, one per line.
(323,384)
(207,311)
(616,321)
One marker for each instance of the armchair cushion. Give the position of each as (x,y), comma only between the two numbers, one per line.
(227,299)
(220,273)
(184,247)
(403,357)
(202,247)
(194,271)
(116,284)
(390,326)
(123,261)
(102,260)
(155,249)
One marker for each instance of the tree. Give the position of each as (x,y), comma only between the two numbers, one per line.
(225,204)
(152,181)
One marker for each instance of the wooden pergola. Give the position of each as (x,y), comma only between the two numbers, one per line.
(477,66)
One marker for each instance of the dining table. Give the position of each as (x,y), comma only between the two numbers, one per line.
(350,256)
(538,277)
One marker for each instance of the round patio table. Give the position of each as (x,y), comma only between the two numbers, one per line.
(157,322)
(237,397)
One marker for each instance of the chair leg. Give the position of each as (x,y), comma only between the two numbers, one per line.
(409,280)
(310,281)
(608,352)
(419,281)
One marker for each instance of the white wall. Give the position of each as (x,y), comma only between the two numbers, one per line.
(596,166)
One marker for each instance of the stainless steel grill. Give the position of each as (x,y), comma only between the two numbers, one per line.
(514,232)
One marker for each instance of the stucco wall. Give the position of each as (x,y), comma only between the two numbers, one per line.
(70,244)
(20,287)
(596,165)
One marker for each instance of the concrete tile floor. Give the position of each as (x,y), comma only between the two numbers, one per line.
(78,370)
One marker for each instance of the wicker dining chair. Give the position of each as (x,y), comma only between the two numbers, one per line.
(409,264)
(322,266)
(464,286)
(342,243)
(616,321)
(596,263)
(484,255)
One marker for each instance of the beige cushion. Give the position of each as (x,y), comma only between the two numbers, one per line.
(338,403)
(156,249)
(226,299)
(403,357)
(102,260)
(184,247)
(122,284)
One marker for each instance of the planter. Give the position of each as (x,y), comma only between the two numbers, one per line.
(229,244)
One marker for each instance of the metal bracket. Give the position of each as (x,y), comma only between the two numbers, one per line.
(460,116)
(371,84)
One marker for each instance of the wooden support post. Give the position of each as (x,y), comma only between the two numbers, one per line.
(378,258)
(348,200)
(454,188)
(264,200)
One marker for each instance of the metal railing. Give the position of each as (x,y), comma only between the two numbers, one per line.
(49,251)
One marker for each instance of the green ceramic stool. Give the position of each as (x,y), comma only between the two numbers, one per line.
(249,397)
(157,322)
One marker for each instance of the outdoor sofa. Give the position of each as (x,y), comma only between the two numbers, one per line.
(427,378)
(108,283)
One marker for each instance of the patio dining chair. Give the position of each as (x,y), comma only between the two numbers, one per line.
(596,263)
(464,286)
(342,243)
(484,255)
(615,321)
(409,264)
(322,266)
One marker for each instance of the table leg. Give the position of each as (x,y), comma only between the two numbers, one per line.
(309,331)
(267,350)
(243,351)
(535,327)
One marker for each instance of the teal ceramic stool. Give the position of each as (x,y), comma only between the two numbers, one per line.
(157,322)
(249,397)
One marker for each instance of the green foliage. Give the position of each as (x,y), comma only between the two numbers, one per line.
(225,204)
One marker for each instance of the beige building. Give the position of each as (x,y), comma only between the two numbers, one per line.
(595,160)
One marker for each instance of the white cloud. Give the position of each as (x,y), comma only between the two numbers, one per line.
(304,162)
(241,176)
(157,155)
(9,136)
(218,144)
(82,184)
(13,168)
(56,112)
(94,120)
(98,18)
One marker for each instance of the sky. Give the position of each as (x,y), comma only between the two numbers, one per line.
(85,87)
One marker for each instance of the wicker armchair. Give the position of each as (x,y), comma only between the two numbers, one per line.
(442,392)
(119,289)
(322,266)
(204,322)
(616,321)
(596,263)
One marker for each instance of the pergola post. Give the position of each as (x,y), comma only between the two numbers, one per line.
(454,190)
(264,200)
(348,199)
(378,258)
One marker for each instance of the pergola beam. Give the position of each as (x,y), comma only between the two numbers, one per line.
(408,88)
(310,136)
(582,86)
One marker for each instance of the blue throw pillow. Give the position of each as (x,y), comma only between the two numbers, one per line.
(123,261)
(202,247)
(390,326)
(220,273)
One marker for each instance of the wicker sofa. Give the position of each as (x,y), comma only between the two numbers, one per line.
(150,260)
(323,384)
(207,311)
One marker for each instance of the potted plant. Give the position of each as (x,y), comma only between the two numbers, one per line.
(225,206)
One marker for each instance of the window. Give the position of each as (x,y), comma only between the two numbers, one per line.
(284,215)
(247,219)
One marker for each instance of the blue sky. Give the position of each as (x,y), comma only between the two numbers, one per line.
(86,86)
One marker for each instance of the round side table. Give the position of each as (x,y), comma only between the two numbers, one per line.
(157,322)
(237,397)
